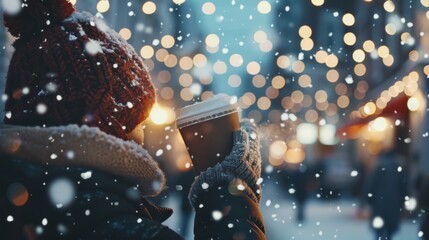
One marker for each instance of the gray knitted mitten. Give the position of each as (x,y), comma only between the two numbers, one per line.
(241,169)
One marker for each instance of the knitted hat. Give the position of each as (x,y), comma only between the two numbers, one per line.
(70,68)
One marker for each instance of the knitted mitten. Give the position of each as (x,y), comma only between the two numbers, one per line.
(241,169)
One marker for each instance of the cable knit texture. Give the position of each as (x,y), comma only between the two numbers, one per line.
(77,70)
(85,147)
(241,169)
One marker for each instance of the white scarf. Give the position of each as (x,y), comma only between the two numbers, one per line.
(84,147)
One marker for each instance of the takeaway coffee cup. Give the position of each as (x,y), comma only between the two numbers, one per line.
(207,129)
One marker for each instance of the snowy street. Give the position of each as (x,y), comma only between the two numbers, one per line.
(330,219)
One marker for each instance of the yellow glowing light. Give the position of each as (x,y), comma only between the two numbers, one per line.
(272,93)
(212,40)
(414,76)
(147,52)
(275,161)
(307,44)
(253,68)
(264,7)
(389,60)
(185,80)
(378,125)
(381,104)
(321,96)
(389,6)
(170,61)
(331,61)
(341,89)
(103,6)
(278,149)
(426,68)
(266,46)
(298,67)
(317,3)
(399,86)
(73,2)
(259,81)
(385,96)
(425,3)
(393,92)
(322,106)
(349,38)
(358,55)
(264,103)
(370,108)
(125,33)
(297,96)
(162,115)
(200,60)
(236,60)
(383,51)
(208,8)
(411,88)
(296,155)
(278,82)
(220,67)
(413,104)
(305,31)
(360,69)
(348,19)
(304,81)
(311,116)
(178,2)
(260,36)
(368,46)
(332,75)
(390,29)
(167,41)
(406,37)
(186,94)
(149,7)
(186,63)
(161,55)
(321,56)
(343,101)
(414,55)
(283,62)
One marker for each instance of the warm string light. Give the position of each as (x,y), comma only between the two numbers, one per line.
(200,70)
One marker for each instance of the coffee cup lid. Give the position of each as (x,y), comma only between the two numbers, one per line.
(215,107)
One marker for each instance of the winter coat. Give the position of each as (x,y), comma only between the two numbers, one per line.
(49,189)
(386,191)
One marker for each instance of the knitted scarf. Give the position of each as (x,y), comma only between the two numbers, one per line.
(83,146)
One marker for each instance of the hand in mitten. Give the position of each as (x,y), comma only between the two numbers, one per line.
(241,167)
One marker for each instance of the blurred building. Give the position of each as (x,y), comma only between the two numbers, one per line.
(392,58)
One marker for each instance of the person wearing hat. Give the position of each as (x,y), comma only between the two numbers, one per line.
(71,161)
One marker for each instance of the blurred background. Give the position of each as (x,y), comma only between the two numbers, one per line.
(332,84)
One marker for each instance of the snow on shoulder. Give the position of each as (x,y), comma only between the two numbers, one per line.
(83,146)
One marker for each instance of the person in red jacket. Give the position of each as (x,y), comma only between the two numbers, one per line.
(71,161)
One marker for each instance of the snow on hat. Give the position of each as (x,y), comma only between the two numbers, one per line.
(70,68)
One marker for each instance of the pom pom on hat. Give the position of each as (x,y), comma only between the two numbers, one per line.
(35,15)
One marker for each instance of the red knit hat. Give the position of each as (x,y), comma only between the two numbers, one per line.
(68,68)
